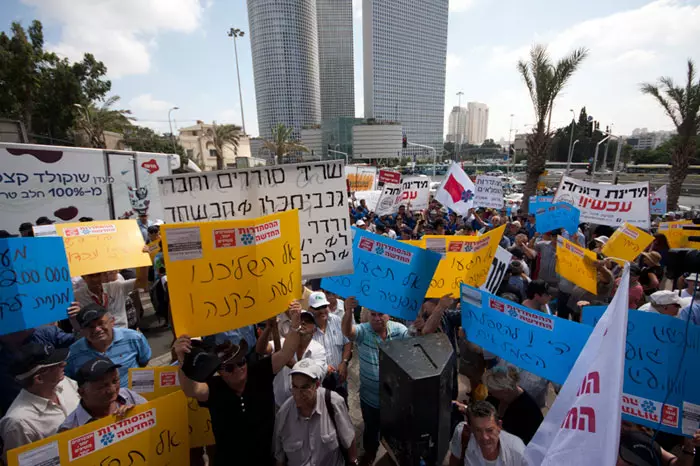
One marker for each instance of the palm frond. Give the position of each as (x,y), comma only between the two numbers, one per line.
(654,91)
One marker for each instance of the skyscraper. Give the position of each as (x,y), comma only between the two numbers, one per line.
(335,58)
(405,50)
(457,126)
(284,43)
(478,122)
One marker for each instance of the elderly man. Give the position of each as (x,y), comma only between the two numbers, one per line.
(101,393)
(368,336)
(110,291)
(46,399)
(314,426)
(665,302)
(127,348)
(483,441)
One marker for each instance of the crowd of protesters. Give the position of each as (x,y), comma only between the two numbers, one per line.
(277,392)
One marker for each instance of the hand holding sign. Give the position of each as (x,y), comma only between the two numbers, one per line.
(577,265)
(627,243)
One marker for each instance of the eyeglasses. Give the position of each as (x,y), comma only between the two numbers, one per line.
(234,365)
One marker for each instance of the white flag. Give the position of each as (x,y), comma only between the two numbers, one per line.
(583,426)
(456,191)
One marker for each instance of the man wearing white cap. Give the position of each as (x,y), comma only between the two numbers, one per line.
(361,224)
(665,302)
(313,426)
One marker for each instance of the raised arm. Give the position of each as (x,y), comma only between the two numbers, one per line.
(433,322)
(197,390)
(348,324)
(291,342)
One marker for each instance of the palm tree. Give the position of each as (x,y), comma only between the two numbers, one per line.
(221,136)
(282,143)
(93,121)
(682,105)
(544,82)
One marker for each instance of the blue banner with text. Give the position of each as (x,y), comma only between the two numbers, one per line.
(555,216)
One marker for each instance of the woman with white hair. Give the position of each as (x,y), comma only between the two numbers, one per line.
(518,411)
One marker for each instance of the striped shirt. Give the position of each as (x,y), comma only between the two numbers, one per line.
(333,340)
(368,351)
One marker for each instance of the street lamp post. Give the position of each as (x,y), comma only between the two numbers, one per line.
(571,142)
(510,132)
(434,154)
(172,136)
(235,33)
(347,161)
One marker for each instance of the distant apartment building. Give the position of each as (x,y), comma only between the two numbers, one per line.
(457,126)
(642,138)
(478,122)
(361,139)
(199,146)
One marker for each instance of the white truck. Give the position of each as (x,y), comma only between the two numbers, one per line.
(67,183)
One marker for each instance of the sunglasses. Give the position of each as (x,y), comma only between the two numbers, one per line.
(234,365)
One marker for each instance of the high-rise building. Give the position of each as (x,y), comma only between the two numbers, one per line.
(284,43)
(405,50)
(335,58)
(478,126)
(457,125)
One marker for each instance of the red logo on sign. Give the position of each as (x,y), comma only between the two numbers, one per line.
(168,379)
(497,305)
(670,415)
(82,446)
(366,244)
(390,177)
(225,238)
(151,166)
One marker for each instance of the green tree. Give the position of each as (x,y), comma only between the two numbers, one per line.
(142,139)
(544,82)
(682,105)
(282,144)
(92,121)
(221,136)
(490,143)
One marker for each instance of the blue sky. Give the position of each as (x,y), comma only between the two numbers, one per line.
(162,53)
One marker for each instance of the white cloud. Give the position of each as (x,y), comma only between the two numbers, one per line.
(146,103)
(454,63)
(121,33)
(460,6)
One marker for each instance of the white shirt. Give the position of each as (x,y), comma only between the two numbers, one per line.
(333,340)
(510,450)
(31,418)
(340,308)
(282,384)
(113,299)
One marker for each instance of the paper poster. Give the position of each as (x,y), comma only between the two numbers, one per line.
(390,276)
(243,272)
(153,249)
(627,243)
(658,201)
(93,247)
(360,178)
(539,202)
(316,189)
(142,381)
(154,434)
(389,200)
(370,197)
(389,177)
(489,192)
(555,216)
(497,271)
(607,204)
(576,265)
(415,192)
(35,284)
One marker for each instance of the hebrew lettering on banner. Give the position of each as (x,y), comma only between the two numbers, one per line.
(658,201)
(498,270)
(35,283)
(316,189)
(489,192)
(390,276)
(605,204)
(627,243)
(389,200)
(415,192)
(576,264)
(653,371)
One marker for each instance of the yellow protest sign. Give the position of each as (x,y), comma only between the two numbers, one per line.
(419,243)
(153,248)
(228,274)
(627,243)
(155,382)
(93,247)
(678,237)
(576,265)
(153,434)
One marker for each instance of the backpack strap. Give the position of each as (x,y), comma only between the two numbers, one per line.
(466,434)
(331,412)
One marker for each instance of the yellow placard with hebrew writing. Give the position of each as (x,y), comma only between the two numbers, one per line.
(153,249)
(678,237)
(576,265)
(93,247)
(360,181)
(228,274)
(627,243)
(154,382)
(153,434)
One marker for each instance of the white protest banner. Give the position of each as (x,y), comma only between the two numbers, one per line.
(389,200)
(585,416)
(489,192)
(606,204)
(415,192)
(456,191)
(498,270)
(370,197)
(658,201)
(317,189)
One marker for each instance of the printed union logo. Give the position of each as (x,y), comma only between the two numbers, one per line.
(512,312)
(648,406)
(247,239)
(107,439)
(379,250)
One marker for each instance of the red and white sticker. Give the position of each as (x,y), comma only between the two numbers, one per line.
(225,238)
(101,229)
(169,379)
(247,236)
(531,318)
(644,408)
(111,434)
(629,232)
(386,250)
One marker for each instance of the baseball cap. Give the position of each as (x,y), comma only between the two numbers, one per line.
(34,357)
(7,234)
(602,239)
(309,317)
(26,226)
(637,449)
(664,298)
(318,299)
(307,367)
(517,224)
(95,369)
(44,221)
(89,314)
(202,362)
(360,223)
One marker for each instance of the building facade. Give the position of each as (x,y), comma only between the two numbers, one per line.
(642,138)
(405,52)
(457,126)
(478,122)
(199,146)
(335,58)
(284,43)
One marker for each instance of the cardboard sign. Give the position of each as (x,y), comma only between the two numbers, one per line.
(153,434)
(360,178)
(35,284)
(658,201)
(489,192)
(390,276)
(93,247)
(389,200)
(654,373)
(539,343)
(229,274)
(627,243)
(415,192)
(555,216)
(153,249)
(576,265)
(390,177)
(497,271)
(155,382)
(539,202)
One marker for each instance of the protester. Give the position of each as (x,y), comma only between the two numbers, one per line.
(665,302)
(652,273)
(110,291)
(127,348)
(143,222)
(538,296)
(637,448)
(46,399)
(314,426)
(636,292)
(101,392)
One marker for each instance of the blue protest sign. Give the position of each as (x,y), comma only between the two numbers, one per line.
(35,284)
(559,215)
(389,276)
(539,202)
(539,343)
(655,344)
